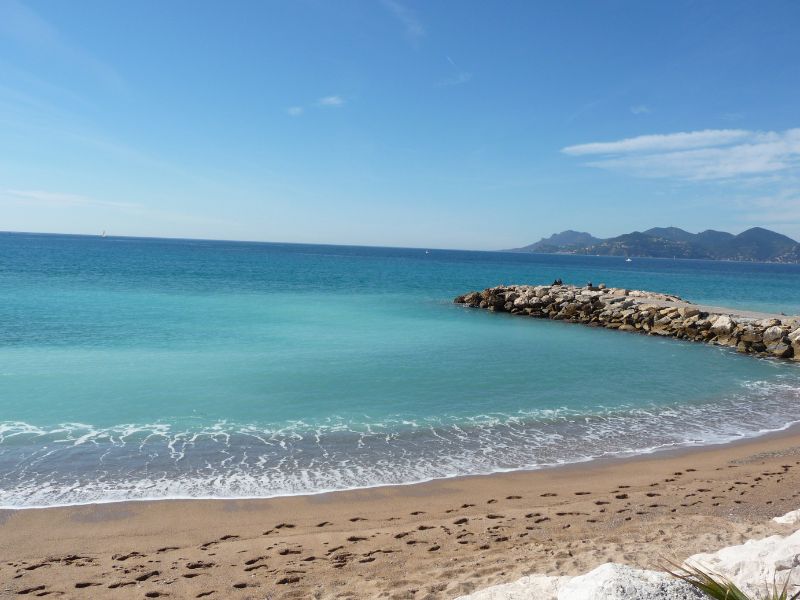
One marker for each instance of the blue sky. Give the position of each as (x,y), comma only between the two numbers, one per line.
(434,124)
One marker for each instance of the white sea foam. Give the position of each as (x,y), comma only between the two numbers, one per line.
(75,463)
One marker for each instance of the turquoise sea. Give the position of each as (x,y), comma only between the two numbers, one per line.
(150,368)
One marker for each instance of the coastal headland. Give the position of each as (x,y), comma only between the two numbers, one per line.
(652,313)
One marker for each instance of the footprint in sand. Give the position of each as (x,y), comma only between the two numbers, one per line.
(122,557)
(548,495)
(30,590)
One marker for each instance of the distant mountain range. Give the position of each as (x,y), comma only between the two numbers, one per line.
(756,244)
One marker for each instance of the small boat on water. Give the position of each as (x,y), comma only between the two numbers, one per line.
(103,234)
(628,259)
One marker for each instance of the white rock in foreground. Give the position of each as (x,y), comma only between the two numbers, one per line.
(610,581)
(533,587)
(757,563)
(751,566)
(789,518)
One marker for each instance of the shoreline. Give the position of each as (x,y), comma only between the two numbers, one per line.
(443,538)
(677,449)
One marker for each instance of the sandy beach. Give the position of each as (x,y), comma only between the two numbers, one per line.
(438,539)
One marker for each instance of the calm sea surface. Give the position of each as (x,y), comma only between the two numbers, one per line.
(146,368)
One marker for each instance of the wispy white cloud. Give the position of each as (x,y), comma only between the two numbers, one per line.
(22,25)
(69,201)
(640,109)
(698,155)
(414,29)
(661,142)
(46,198)
(458,79)
(460,76)
(334,101)
(732,116)
(778,209)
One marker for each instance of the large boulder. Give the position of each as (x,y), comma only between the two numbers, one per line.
(780,350)
(723,325)
(613,581)
(610,581)
(794,339)
(757,562)
(772,334)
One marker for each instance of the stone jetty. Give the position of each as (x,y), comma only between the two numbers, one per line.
(652,313)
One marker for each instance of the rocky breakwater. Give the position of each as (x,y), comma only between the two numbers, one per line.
(646,312)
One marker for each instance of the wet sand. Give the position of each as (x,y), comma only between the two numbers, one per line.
(431,540)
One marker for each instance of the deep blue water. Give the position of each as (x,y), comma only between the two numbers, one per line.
(148,368)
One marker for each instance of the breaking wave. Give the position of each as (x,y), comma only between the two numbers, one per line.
(75,463)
